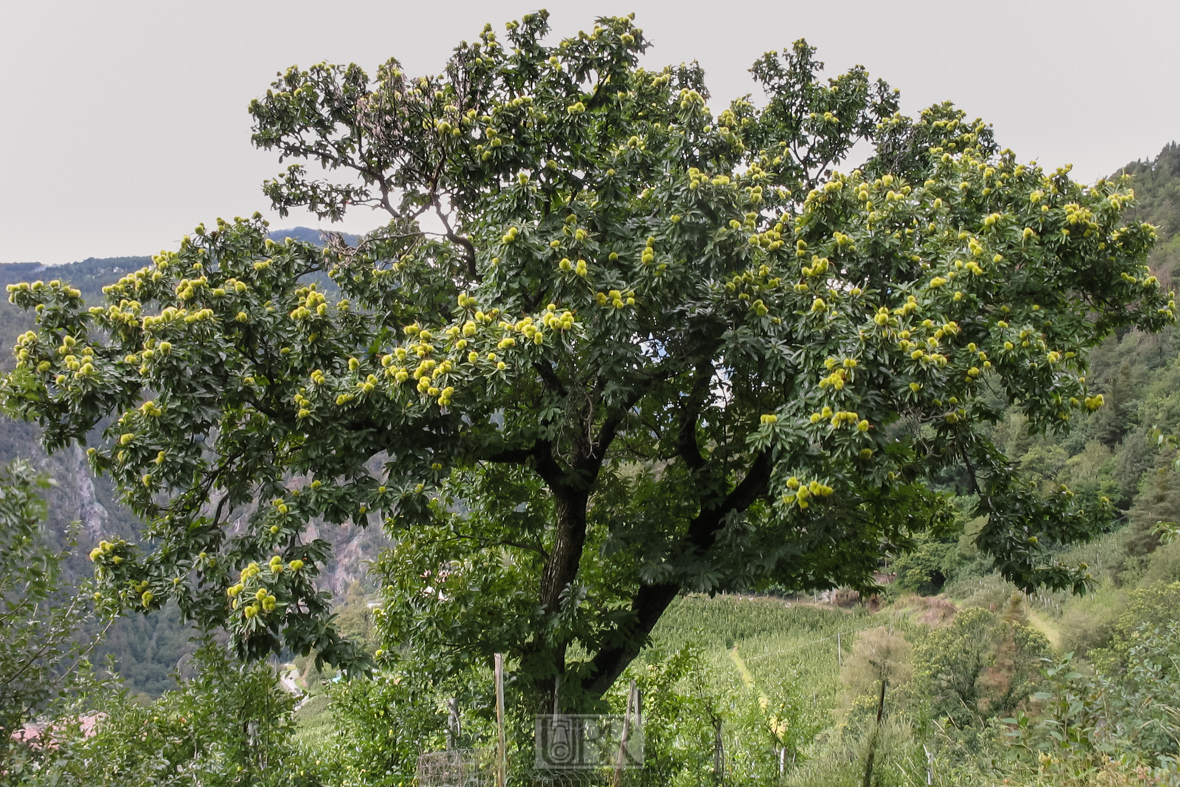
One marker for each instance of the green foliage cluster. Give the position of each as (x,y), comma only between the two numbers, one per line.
(1085,723)
(1119,452)
(981,665)
(1114,454)
(41,615)
(89,276)
(227,724)
(147,648)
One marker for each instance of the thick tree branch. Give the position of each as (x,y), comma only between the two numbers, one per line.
(687,447)
(702,532)
(649,603)
(513,456)
(549,377)
(539,456)
(610,661)
(547,466)
(467,246)
(970,467)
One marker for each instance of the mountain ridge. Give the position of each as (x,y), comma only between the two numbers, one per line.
(306,234)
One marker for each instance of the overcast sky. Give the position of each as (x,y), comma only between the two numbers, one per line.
(124,124)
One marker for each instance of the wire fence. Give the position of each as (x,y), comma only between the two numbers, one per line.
(810,643)
(456,768)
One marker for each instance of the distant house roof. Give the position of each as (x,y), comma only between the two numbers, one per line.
(31,733)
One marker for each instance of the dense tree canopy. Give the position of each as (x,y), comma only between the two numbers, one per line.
(609,347)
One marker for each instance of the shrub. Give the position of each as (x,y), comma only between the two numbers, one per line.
(1150,606)
(1163,565)
(229,725)
(1144,697)
(927,567)
(1088,622)
(979,665)
(880,654)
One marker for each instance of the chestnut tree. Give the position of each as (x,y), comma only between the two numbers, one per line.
(610,347)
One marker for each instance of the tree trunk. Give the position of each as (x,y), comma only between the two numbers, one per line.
(650,603)
(561,569)
(562,566)
(651,600)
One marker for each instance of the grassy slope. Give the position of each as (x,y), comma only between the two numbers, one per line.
(314,721)
(779,643)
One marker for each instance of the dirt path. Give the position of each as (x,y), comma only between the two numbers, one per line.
(1046,627)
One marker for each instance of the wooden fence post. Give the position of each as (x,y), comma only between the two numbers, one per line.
(502,747)
(873,741)
(632,702)
(718,752)
(454,726)
(557,695)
